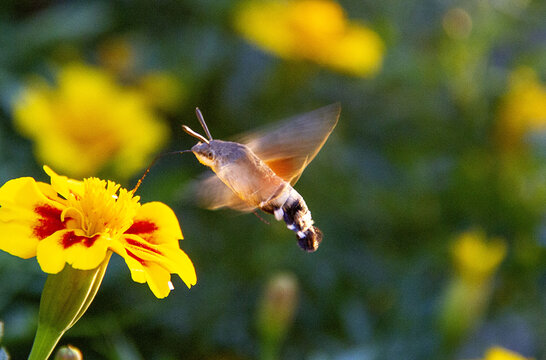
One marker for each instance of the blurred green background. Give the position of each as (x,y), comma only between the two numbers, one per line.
(421,158)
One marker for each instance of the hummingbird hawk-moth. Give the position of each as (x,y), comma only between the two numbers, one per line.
(261,169)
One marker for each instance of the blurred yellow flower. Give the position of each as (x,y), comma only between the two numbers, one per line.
(80,222)
(523,107)
(469,291)
(88,122)
(499,353)
(476,259)
(315,30)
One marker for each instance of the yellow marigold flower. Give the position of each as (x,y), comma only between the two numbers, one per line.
(315,30)
(469,291)
(523,108)
(88,122)
(476,259)
(80,222)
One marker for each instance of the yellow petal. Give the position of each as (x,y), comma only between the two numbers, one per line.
(153,239)
(16,238)
(24,193)
(135,267)
(156,223)
(63,185)
(73,247)
(158,280)
(172,259)
(157,277)
(180,263)
(27,216)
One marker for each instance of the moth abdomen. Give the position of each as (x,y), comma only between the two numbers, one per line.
(297,217)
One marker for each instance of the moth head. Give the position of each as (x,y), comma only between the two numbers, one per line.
(218,153)
(202,150)
(205,153)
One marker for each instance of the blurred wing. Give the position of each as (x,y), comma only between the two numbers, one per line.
(286,147)
(213,194)
(289,146)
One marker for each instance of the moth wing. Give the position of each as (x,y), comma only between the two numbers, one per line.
(286,147)
(289,146)
(213,194)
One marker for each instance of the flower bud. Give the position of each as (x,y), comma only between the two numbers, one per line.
(276,312)
(68,352)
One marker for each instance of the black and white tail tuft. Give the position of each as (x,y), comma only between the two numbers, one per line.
(297,217)
(311,239)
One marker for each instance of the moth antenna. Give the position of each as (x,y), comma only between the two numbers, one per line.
(202,121)
(194,134)
(152,164)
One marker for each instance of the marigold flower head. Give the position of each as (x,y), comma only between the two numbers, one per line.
(87,123)
(476,259)
(315,30)
(523,107)
(79,222)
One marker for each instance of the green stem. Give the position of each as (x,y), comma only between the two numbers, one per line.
(94,288)
(45,341)
(65,298)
